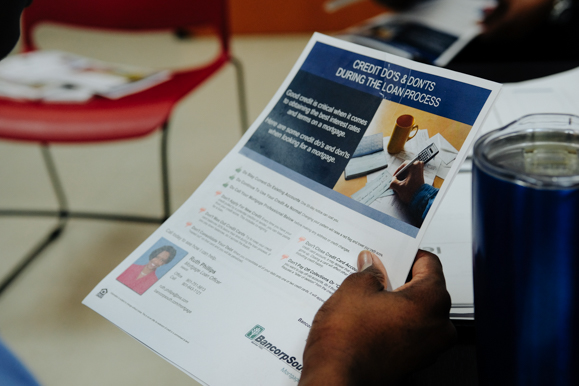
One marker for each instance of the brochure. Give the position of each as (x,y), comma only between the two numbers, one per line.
(431,32)
(55,76)
(235,276)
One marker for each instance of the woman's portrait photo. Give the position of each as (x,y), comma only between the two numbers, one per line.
(151,266)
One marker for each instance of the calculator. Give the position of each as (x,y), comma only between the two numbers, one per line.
(425,155)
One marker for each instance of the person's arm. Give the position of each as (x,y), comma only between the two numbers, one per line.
(421,202)
(365,335)
(412,191)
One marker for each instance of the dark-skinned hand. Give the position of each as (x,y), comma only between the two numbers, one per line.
(365,335)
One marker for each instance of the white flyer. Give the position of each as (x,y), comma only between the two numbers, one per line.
(227,288)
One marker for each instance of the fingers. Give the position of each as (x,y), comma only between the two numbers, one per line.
(426,265)
(371,276)
(395,184)
(405,186)
(427,277)
(395,332)
(400,167)
(427,286)
(417,167)
(366,260)
(426,268)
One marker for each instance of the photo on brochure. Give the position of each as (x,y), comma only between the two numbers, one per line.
(345,125)
(398,134)
(152,266)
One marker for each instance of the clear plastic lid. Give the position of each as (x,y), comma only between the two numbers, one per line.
(538,150)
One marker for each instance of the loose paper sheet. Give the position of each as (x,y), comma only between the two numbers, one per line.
(272,233)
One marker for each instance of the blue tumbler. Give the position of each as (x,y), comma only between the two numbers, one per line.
(526,252)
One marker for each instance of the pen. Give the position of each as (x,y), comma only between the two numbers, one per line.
(425,155)
(401,173)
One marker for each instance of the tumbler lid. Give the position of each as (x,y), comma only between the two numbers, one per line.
(538,150)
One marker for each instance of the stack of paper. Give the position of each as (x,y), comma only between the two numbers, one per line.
(447,154)
(56,76)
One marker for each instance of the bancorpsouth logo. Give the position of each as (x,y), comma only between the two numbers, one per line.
(260,341)
(254,332)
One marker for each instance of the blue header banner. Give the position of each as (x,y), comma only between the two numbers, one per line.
(437,95)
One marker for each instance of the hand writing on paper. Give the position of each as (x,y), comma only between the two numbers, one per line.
(365,335)
(407,187)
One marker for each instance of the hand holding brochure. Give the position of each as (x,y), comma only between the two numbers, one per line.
(234,278)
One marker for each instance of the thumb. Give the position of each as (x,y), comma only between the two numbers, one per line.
(370,278)
(368,262)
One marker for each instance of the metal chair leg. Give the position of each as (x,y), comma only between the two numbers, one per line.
(55,180)
(165,171)
(36,251)
(63,213)
(54,233)
(241,93)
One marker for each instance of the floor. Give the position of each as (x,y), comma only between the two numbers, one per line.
(41,315)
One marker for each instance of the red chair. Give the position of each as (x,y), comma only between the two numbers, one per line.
(100,119)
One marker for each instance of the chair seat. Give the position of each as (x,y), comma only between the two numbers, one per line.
(100,119)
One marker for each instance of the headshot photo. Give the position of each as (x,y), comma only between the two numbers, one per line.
(151,266)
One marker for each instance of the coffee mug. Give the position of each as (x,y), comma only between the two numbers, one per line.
(401,133)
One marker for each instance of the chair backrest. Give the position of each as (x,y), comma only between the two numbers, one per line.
(128,15)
